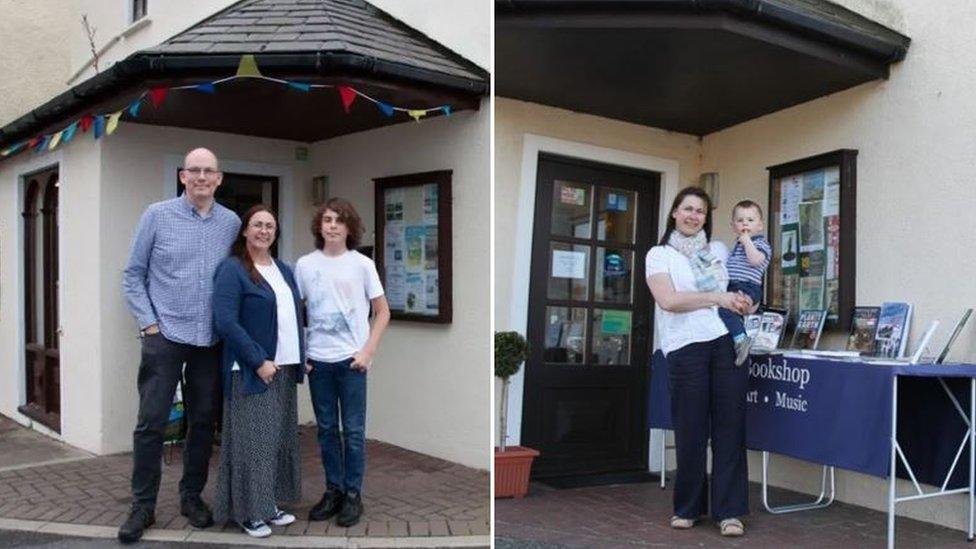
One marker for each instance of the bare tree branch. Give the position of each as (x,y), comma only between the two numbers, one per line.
(90,31)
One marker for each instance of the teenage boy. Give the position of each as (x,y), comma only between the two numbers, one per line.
(339,286)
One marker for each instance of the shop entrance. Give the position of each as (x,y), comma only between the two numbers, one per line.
(589,321)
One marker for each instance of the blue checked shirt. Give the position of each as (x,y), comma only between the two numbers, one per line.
(168,279)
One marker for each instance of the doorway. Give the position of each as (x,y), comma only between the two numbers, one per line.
(42,329)
(589,321)
(239,192)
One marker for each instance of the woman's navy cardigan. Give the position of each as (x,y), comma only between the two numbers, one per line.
(246,319)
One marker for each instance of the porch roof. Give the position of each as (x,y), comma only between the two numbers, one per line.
(344,42)
(693,66)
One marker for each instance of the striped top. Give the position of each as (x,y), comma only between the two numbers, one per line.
(168,279)
(738,264)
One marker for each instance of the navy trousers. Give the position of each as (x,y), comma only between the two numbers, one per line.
(708,401)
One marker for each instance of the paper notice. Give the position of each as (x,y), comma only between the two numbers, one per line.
(567,264)
(791,189)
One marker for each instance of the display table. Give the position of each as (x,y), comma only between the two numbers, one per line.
(845,414)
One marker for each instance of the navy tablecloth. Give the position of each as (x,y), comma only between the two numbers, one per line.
(838,412)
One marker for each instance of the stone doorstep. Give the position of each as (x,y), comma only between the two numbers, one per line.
(200,536)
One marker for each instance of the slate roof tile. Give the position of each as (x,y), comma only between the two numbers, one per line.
(352,26)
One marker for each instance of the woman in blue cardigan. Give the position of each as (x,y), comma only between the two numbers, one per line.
(257,315)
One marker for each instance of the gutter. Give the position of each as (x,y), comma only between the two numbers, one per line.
(142,66)
(877,41)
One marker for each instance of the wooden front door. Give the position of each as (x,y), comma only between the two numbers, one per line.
(42,330)
(589,320)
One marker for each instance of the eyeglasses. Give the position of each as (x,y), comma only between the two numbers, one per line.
(208,172)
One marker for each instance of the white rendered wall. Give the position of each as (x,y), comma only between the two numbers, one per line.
(34,63)
(429,386)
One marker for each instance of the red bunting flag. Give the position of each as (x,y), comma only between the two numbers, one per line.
(33,142)
(158,95)
(86,122)
(348,95)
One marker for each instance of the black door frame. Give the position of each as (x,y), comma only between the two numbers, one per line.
(532,426)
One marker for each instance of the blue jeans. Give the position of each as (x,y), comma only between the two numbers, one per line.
(336,386)
(733,320)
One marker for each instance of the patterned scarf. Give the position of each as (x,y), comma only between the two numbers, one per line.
(710,274)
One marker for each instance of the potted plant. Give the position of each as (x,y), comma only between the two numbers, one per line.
(512,464)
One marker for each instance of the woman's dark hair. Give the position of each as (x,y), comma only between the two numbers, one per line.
(239,248)
(689,191)
(347,215)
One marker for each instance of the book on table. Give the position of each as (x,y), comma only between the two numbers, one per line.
(809,326)
(864,326)
(893,324)
(766,329)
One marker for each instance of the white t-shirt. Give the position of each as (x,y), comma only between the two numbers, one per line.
(337,291)
(287,351)
(679,329)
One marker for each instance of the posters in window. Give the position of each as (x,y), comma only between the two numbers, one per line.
(811,226)
(811,292)
(791,190)
(789,240)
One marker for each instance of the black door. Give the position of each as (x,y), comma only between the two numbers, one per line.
(239,192)
(589,321)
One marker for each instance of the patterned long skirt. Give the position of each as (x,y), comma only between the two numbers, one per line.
(259,461)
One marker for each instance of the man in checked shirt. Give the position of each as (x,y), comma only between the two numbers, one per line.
(167,283)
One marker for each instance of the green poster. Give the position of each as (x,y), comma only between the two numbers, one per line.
(615,322)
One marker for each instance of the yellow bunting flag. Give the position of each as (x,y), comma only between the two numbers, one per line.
(55,139)
(417,114)
(248,66)
(113,122)
(5,152)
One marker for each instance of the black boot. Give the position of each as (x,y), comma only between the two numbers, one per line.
(352,509)
(193,508)
(328,506)
(139,519)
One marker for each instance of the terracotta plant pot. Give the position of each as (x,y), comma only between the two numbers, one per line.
(512,471)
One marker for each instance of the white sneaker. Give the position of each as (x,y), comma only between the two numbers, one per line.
(256,528)
(281,518)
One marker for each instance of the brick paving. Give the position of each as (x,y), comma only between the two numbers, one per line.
(636,515)
(405,493)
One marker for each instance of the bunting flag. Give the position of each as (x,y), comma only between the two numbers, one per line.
(107,123)
(99,125)
(86,122)
(384,108)
(69,132)
(158,95)
(55,139)
(348,95)
(113,122)
(248,67)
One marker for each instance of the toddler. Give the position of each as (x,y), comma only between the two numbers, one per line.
(746,265)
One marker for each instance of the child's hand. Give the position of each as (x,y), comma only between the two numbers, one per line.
(744,234)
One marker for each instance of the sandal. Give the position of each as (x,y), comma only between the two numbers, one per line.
(679,523)
(731,527)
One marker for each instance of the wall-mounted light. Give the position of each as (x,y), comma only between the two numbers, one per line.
(320,190)
(708,181)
